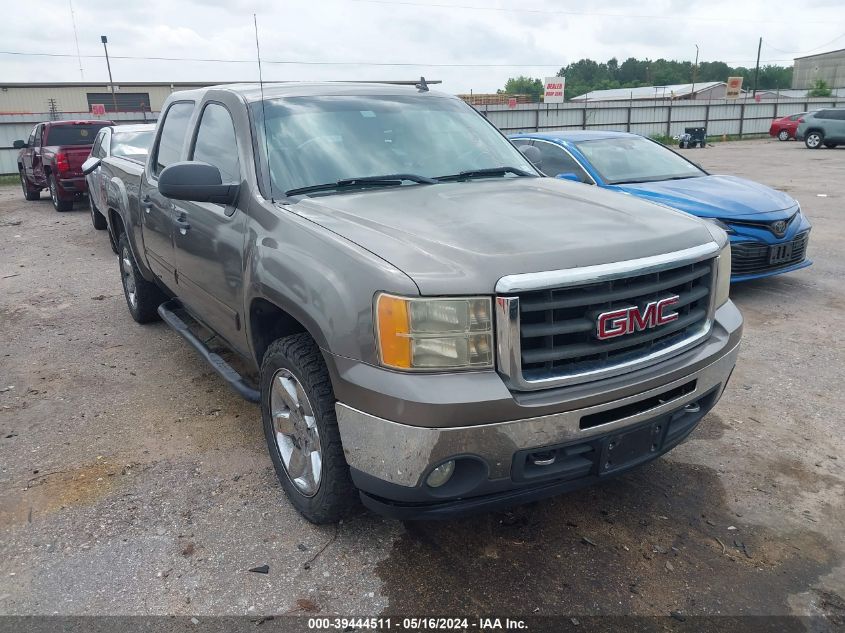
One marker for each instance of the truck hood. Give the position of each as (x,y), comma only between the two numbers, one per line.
(714,196)
(460,238)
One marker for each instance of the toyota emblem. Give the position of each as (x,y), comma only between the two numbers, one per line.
(779,227)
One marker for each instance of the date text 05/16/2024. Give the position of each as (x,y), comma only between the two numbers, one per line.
(417,624)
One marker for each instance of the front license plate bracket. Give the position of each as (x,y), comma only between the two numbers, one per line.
(631,447)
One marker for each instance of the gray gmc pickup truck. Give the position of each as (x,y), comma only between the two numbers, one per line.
(434,328)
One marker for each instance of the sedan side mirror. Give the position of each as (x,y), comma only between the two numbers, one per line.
(90,165)
(19,144)
(569,176)
(196,181)
(532,154)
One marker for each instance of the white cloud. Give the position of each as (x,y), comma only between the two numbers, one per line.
(343,30)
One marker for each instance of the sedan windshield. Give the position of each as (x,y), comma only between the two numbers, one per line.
(636,159)
(316,141)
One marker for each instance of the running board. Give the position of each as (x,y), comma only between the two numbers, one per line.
(167,311)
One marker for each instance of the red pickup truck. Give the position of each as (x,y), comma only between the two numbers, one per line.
(52,159)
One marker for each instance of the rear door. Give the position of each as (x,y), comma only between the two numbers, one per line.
(26,154)
(157,211)
(208,238)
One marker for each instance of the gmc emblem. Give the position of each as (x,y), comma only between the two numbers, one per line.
(629,320)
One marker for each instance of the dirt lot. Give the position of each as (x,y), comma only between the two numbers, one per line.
(132,481)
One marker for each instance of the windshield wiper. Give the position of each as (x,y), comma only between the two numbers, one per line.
(657,179)
(387,180)
(482,173)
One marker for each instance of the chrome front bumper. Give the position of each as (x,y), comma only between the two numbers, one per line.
(401,454)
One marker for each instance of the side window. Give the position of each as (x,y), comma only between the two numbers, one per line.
(173,132)
(795,117)
(31,140)
(216,143)
(839,115)
(823,114)
(557,161)
(39,130)
(99,149)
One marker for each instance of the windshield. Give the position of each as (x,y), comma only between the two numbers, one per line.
(635,159)
(134,145)
(73,134)
(317,140)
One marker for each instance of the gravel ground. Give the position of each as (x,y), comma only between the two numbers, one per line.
(132,481)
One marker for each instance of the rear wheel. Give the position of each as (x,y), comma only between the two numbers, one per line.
(783,135)
(300,425)
(29,192)
(59,203)
(142,297)
(814,139)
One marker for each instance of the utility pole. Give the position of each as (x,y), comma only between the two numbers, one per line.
(105,42)
(757,67)
(694,73)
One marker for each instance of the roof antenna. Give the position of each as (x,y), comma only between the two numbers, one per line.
(422,86)
(263,111)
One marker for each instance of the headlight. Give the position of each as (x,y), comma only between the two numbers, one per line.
(721,224)
(418,334)
(723,275)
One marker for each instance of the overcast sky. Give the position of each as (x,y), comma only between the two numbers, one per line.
(534,37)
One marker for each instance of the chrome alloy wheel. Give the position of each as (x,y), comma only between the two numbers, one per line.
(297,437)
(53,193)
(783,135)
(128,273)
(813,140)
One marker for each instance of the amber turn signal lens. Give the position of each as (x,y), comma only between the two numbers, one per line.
(393,331)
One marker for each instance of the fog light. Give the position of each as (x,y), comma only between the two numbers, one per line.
(441,474)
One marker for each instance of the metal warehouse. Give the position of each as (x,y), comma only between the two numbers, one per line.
(828,67)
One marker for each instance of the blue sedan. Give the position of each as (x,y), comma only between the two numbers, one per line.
(768,232)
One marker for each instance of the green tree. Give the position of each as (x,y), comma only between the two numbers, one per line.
(524,86)
(820,89)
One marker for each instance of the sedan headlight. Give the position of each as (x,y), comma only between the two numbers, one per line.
(721,224)
(723,275)
(425,334)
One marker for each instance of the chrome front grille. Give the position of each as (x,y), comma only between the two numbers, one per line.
(548,336)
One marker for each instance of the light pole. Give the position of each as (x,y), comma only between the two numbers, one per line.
(694,73)
(105,42)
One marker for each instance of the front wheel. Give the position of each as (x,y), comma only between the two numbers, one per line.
(29,192)
(97,218)
(58,203)
(300,425)
(142,297)
(814,139)
(783,135)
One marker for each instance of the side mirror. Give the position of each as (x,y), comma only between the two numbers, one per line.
(196,181)
(90,165)
(532,154)
(19,144)
(569,176)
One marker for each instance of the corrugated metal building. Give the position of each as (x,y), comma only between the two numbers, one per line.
(829,67)
(705,90)
(68,98)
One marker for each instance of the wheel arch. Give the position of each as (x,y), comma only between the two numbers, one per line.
(267,322)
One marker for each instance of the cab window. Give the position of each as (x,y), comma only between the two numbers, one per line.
(216,143)
(172,137)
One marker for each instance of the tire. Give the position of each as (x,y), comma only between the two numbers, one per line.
(783,135)
(295,380)
(97,218)
(814,139)
(142,297)
(29,192)
(58,203)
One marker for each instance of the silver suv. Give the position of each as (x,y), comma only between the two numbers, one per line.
(822,127)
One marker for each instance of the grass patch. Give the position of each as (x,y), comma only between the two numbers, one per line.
(9,179)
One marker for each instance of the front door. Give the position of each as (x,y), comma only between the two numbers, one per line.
(157,212)
(209,238)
